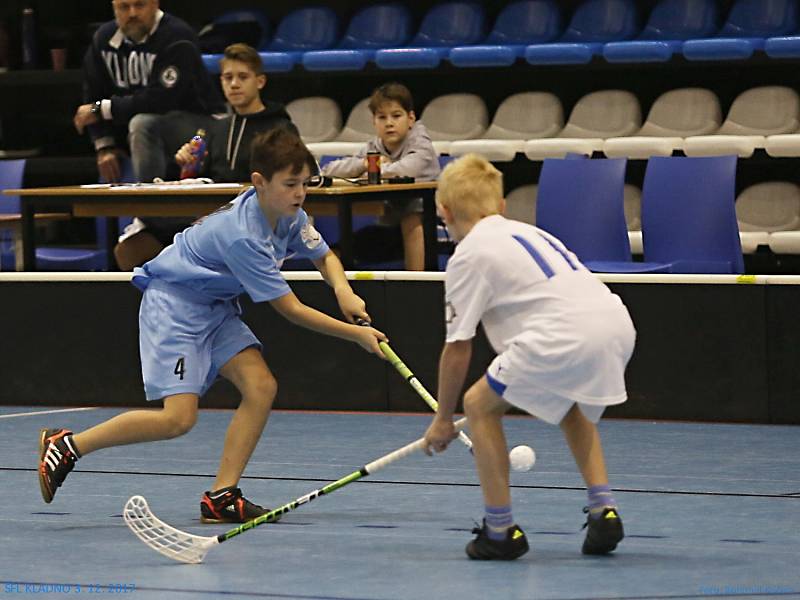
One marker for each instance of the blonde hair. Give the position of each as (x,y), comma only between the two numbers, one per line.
(471,188)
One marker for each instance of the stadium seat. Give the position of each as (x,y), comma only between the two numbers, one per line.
(247,25)
(454,117)
(385,25)
(746,30)
(755,114)
(449,24)
(11,177)
(595,117)
(594,24)
(48,258)
(520,117)
(689,216)
(302,30)
(581,202)
(357,131)
(769,215)
(671,23)
(521,204)
(518,25)
(318,119)
(783,144)
(674,115)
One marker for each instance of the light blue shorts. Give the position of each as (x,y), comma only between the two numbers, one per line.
(185,339)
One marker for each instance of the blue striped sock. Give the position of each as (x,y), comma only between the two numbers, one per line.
(498,520)
(600,496)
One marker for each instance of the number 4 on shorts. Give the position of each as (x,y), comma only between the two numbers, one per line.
(180,368)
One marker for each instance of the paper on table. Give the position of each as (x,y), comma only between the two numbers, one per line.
(190,185)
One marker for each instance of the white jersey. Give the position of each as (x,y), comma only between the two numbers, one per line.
(518,279)
(558,330)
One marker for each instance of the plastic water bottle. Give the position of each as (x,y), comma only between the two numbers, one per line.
(28,39)
(199,151)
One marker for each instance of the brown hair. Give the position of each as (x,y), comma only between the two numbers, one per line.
(278,148)
(391,92)
(243,53)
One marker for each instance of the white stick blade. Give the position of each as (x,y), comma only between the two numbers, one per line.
(161,537)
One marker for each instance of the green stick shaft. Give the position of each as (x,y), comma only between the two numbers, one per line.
(412,380)
(375,465)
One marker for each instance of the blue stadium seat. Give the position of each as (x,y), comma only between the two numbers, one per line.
(670,24)
(302,30)
(581,202)
(594,24)
(377,26)
(449,24)
(783,46)
(11,177)
(48,258)
(246,16)
(689,216)
(746,30)
(519,24)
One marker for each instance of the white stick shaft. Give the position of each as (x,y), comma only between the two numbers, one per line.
(377,465)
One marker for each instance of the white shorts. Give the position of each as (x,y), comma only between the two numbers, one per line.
(546,384)
(184,341)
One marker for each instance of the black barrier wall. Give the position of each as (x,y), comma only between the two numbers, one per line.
(704,352)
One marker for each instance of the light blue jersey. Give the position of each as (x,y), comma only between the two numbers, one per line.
(234,250)
(189,325)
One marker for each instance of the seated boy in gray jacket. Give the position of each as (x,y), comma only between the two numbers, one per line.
(406,151)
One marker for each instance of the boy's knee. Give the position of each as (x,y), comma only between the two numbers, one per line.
(481,402)
(473,406)
(144,123)
(262,389)
(180,423)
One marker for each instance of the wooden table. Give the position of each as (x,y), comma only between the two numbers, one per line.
(150,200)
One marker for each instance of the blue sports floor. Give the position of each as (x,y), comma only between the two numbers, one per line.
(710,510)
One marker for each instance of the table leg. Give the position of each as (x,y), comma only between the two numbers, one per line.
(112,235)
(28,235)
(429,230)
(345,210)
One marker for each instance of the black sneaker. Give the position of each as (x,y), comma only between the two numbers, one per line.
(485,548)
(603,532)
(57,456)
(227,505)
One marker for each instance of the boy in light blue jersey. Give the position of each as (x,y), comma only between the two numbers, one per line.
(190,330)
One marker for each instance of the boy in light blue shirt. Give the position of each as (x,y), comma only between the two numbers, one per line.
(190,330)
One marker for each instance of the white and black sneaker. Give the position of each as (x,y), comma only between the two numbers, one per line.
(57,457)
(227,505)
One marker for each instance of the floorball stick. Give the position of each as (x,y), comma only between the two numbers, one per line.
(412,380)
(189,548)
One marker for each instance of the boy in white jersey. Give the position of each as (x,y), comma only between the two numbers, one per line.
(190,330)
(562,341)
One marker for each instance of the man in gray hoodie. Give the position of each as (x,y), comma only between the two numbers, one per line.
(406,151)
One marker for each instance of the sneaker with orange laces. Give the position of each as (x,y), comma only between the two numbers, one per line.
(227,505)
(57,457)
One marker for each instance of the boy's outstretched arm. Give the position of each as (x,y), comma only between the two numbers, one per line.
(453,365)
(351,305)
(298,313)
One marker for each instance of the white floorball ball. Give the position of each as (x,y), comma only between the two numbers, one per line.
(522,458)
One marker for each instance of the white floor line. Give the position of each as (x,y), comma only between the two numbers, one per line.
(46,412)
